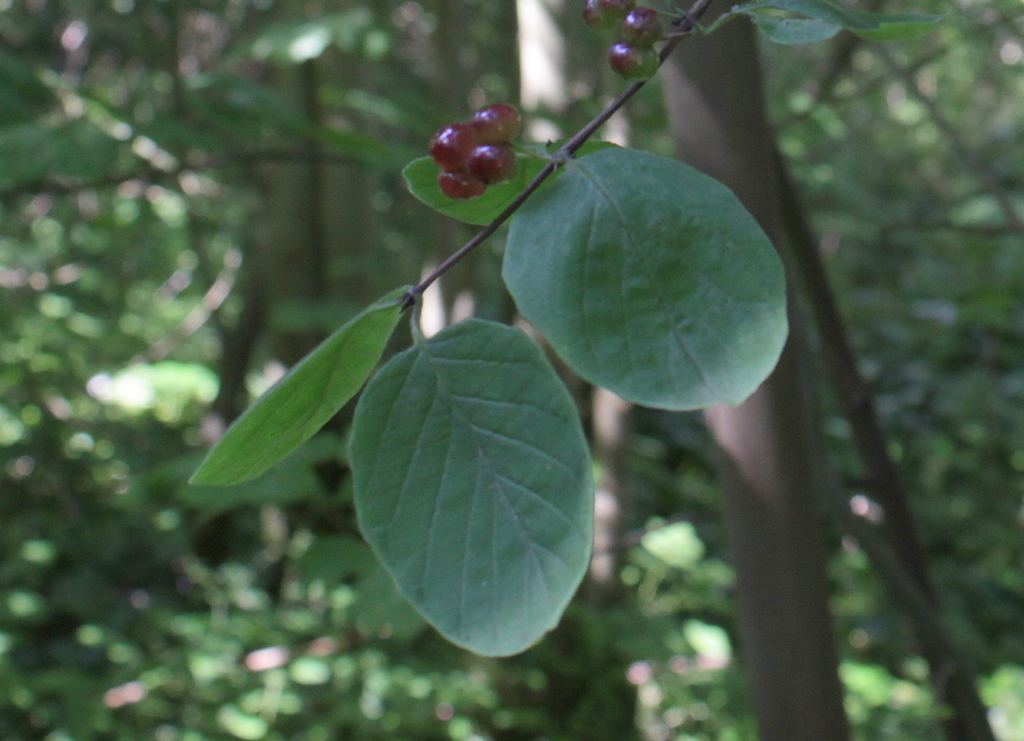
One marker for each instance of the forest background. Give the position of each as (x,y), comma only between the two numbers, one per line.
(193,193)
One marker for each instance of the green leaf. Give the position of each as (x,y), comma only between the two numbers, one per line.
(242,725)
(877,26)
(362,147)
(81,150)
(421,176)
(15,142)
(375,603)
(294,480)
(304,400)
(232,102)
(473,485)
(650,279)
(23,96)
(379,606)
(677,544)
(299,41)
(32,152)
(895,27)
(795,30)
(819,9)
(335,558)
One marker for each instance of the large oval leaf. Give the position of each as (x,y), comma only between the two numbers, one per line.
(650,279)
(304,400)
(473,486)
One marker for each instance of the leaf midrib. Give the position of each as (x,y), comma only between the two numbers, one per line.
(497,485)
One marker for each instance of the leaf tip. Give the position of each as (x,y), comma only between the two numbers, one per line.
(207,475)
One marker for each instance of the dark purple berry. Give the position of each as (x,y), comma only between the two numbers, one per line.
(492,163)
(632,62)
(642,27)
(460,185)
(604,15)
(496,124)
(451,145)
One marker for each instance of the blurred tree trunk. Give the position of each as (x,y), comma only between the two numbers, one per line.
(893,546)
(770,495)
(316,216)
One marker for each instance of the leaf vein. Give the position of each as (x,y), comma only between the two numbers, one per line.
(550,505)
(515,404)
(519,441)
(651,279)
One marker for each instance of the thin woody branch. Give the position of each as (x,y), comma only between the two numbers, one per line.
(683,26)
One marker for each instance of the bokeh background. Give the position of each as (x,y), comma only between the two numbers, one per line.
(194,192)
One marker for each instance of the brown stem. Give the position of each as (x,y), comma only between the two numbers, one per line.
(683,27)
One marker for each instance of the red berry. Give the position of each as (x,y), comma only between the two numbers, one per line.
(632,62)
(496,124)
(460,185)
(642,27)
(604,15)
(451,145)
(492,163)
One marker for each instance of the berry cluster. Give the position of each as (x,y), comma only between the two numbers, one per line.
(633,57)
(476,154)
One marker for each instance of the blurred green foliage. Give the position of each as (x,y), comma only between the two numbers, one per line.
(140,143)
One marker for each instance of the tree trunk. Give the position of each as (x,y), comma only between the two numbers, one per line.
(893,547)
(770,496)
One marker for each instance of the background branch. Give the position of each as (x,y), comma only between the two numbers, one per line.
(966,155)
(898,557)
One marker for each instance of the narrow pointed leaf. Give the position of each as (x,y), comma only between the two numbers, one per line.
(650,279)
(304,400)
(895,27)
(876,26)
(819,9)
(473,486)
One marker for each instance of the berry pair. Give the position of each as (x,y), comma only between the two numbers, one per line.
(633,57)
(476,154)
